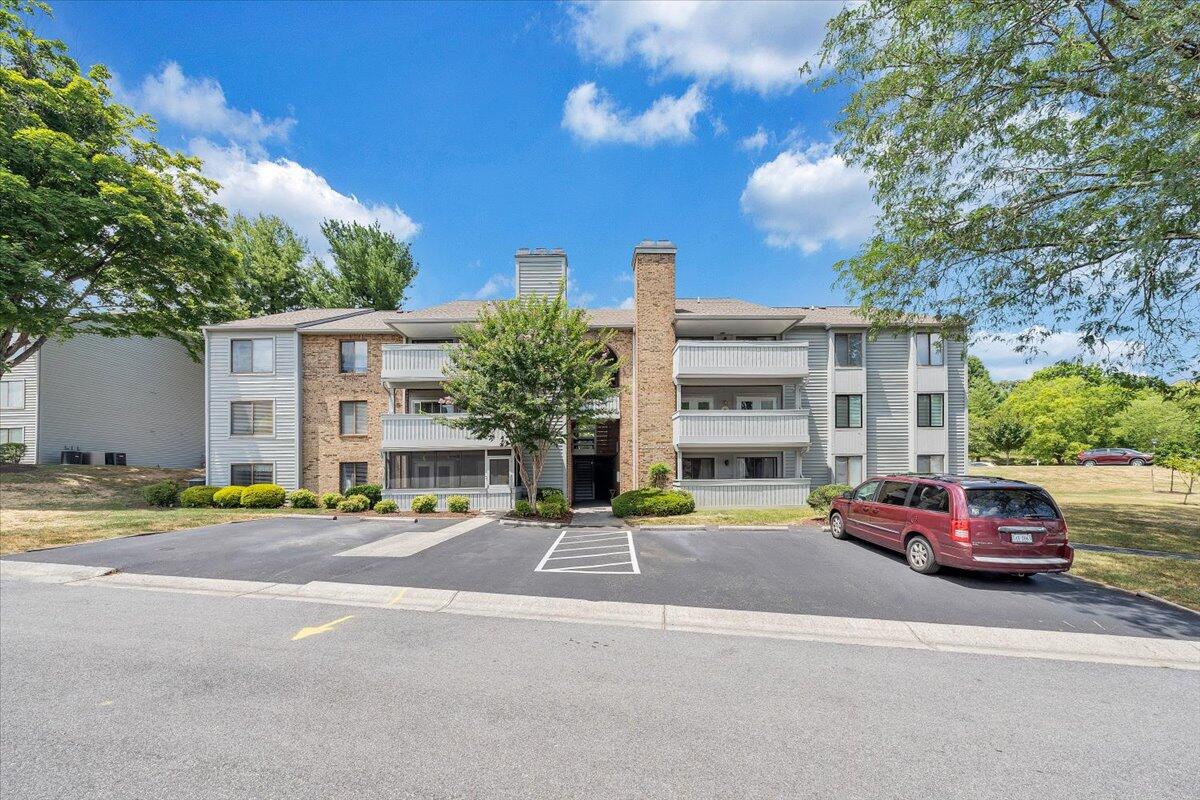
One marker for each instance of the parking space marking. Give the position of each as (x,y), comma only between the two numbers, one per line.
(596,553)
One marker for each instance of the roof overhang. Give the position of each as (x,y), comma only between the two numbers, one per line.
(730,325)
(427,328)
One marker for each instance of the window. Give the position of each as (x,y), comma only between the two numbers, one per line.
(430,407)
(847,411)
(866,492)
(354,358)
(12,394)
(928,497)
(929,350)
(894,493)
(696,404)
(248,474)
(758,467)
(459,469)
(847,349)
(499,471)
(699,469)
(354,473)
(931,465)
(930,410)
(756,404)
(252,355)
(847,470)
(354,417)
(252,418)
(12,436)
(1011,504)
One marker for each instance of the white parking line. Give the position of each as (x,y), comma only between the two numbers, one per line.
(599,553)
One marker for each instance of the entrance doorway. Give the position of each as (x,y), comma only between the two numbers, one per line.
(594,461)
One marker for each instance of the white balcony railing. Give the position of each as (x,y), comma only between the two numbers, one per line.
(741,428)
(414,362)
(610,408)
(743,493)
(733,359)
(424,432)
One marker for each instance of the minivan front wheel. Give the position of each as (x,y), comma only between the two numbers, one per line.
(837,526)
(919,553)
(1089,463)
(1136,462)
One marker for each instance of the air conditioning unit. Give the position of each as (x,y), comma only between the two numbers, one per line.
(114,459)
(70,457)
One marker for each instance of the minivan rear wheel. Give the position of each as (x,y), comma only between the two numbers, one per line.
(837,526)
(919,553)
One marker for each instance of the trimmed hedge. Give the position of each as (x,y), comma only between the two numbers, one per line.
(822,497)
(458,503)
(229,497)
(424,503)
(11,452)
(654,502)
(372,491)
(198,496)
(553,507)
(355,503)
(330,500)
(386,507)
(302,498)
(263,495)
(523,509)
(163,494)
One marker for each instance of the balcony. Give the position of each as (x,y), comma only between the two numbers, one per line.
(424,432)
(414,363)
(746,493)
(730,360)
(724,429)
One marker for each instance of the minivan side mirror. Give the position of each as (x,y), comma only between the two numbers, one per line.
(848,495)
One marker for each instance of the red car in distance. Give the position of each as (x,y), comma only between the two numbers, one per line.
(1114,455)
(974,523)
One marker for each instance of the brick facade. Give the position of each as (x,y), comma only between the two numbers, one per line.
(323,448)
(622,346)
(654,318)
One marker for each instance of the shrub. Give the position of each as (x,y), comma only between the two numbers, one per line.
(458,503)
(354,503)
(523,509)
(302,498)
(229,497)
(653,501)
(198,496)
(331,499)
(263,495)
(424,503)
(659,472)
(553,507)
(11,452)
(548,492)
(386,507)
(822,497)
(372,491)
(163,494)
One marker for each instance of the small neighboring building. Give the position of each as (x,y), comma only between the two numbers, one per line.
(751,405)
(132,399)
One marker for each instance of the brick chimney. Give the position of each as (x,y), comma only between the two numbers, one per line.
(653,351)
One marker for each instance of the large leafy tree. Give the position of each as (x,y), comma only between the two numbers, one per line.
(527,369)
(1032,162)
(1064,415)
(277,272)
(101,228)
(373,267)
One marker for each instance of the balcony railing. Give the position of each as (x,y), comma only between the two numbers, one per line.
(414,362)
(743,493)
(733,359)
(424,432)
(741,428)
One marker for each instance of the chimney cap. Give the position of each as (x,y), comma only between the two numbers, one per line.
(655,246)
(541,251)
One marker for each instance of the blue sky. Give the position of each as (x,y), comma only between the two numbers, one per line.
(475,129)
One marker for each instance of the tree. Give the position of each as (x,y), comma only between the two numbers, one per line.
(1152,422)
(983,396)
(524,371)
(1064,415)
(1004,433)
(374,268)
(1024,152)
(101,228)
(277,273)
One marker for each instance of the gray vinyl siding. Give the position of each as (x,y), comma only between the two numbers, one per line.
(554,472)
(887,401)
(139,396)
(812,393)
(956,406)
(224,387)
(26,417)
(542,275)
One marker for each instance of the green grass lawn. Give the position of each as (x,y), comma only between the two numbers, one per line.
(734,516)
(56,505)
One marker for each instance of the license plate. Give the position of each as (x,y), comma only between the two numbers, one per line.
(1022,538)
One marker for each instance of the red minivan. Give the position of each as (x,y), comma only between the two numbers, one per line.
(977,523)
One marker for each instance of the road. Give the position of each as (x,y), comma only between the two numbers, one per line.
(125,693)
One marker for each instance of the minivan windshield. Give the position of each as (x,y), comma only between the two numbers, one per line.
(1010,503)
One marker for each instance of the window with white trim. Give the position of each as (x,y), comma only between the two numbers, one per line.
(250,474)
(499,470)
(847,411)
(252,418)
(847,349)
(758,467)
(252,356)
(931,465)
(847,470)
(758,403)
(353,358)
(696,404)
(699,468)
(931,410)
(929,350)
(12,394)
(12,436)
(354,417)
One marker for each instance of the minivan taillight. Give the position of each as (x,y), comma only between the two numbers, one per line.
(960,530)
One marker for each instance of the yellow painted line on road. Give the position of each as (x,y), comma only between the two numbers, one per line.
(399,596)
(304,633)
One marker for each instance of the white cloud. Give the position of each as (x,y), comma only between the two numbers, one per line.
(998,351)
(593,116)
(199,105)
(752,45)
(755,141)
(495,286)
(292,191)
(808,198)
(626,303)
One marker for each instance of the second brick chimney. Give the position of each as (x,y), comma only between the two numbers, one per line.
(653,351)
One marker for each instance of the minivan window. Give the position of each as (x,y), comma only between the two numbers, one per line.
(866,492)
(894,493)
(928,497)
(1010,503)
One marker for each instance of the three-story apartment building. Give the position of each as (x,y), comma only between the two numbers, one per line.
(751,405)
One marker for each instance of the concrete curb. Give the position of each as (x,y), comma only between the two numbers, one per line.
(518,523)
(936,637)
(672,528)
(754,527)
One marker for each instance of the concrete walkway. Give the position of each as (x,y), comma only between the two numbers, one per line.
(595,517)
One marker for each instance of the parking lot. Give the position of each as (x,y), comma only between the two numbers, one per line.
(801,571)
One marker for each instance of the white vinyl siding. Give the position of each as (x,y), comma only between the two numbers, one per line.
(24,419)
(225,387)
(887,404)
(956,406)
(813,394)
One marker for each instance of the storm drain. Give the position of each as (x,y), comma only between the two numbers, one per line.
(609,552)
